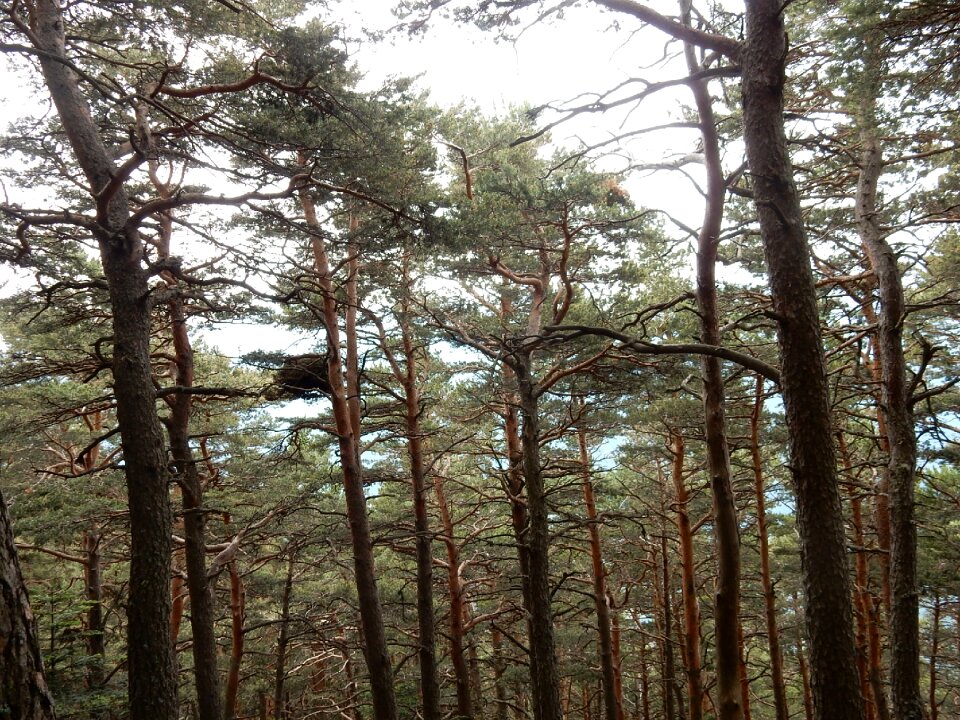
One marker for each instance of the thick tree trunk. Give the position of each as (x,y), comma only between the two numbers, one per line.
(766,578)
(23,689)
(545,681)
(152,689)
(346,417)
(826,581)
(613,705)
(688,585)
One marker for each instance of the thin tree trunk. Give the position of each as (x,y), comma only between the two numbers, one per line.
(237,610)
(426,648)
(902,441)
(766,580)
(804,679)
(615,637)
(691,605)
(93,592)
(803,380)
(726,527)
(744,674)
(346,417)
(934,656)
(499,667)
(877,684)
(612,708)
(863,601)
(152,688)
(23,688)
(644,679)
(187,476)
(280,672)
(456,592)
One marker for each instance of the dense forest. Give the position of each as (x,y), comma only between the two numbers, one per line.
(508,440)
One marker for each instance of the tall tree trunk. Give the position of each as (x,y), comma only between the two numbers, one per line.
(456,591)
(803,380)
(667,670)
(804,679)
(499,667)
(644,678)
(187,475)
(280,672)
(613,706)
(901,439)
(545,681)
(726,528)
(93,593)
(934,655)
(862,597)
(766,578)
(152,689)
(237,610)
(426,647)
(346,417)
(23,688)
(688,585)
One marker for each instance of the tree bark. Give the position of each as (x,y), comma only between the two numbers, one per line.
(280,671)
(237,610)
(346,417)
(93,592)
(901,439)
(23,687)
(726,527)
(688,585)
(826,581)
(455,589)
(152,690)
(613,706)
(545,681)
(766,579)
(187,476)
(934,656)
(426,648)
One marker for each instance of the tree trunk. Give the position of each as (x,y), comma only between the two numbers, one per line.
(766,580)
(280,672)
(613,706)
(456,592)
(726,529)
(804,679)
(691,605)
(187,476)
(902,442)
(152,689)
(545,681)
(499,667)
(862,597)
(426,648)
(237,609)
(23,688)
(93,593)
(826,581)
(934,652)
(346,417)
